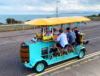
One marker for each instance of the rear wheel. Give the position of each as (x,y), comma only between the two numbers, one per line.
(40,67)
(82,53)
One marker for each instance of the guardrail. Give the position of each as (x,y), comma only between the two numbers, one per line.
(15,27)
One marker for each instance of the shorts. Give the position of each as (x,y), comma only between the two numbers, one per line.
(66,46)
(59,45)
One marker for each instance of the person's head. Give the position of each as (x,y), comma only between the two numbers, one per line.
(68,29)
(72,29)
(76,28)
(60,31)
(54,29)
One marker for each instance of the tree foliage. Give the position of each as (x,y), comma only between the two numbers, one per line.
(12,21)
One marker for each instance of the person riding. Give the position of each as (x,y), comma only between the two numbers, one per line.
(62,40)
(79,37)
(77,33)
(55,31)
(71,36)
(48,33)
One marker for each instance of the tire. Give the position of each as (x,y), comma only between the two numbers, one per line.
(40,67)
(82,54)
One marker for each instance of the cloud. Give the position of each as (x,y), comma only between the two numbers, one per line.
(78,5)
(47,6)
(90,2)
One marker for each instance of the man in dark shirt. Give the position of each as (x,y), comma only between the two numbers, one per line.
(76,30)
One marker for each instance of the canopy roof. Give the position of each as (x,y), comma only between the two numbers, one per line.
(56,21)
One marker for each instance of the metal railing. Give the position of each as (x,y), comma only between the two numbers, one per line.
(15,27)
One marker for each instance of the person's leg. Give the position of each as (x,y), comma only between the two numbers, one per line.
(59,48)
(69,48)
(54,51)
(66,49)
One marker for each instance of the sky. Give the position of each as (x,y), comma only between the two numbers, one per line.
(48,6)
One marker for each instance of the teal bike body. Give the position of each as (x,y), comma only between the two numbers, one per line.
(35,53)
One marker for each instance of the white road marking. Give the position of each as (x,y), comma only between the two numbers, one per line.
(89,56)
(67,68)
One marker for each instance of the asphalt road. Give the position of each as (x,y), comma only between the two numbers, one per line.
(10,64)
(86,68)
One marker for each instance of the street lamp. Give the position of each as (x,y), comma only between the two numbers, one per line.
(57,8)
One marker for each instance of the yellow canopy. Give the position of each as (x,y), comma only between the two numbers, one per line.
(56,21)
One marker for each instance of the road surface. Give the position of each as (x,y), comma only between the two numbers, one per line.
(85,68)
(10,64)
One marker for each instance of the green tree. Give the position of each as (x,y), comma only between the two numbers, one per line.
(10,21)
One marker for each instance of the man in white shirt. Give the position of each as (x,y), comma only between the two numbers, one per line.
(62,40)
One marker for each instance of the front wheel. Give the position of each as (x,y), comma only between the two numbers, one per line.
(82,54)
(40,67)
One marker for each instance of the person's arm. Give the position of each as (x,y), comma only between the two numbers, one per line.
(67,37)
(74,35)
(58,38)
